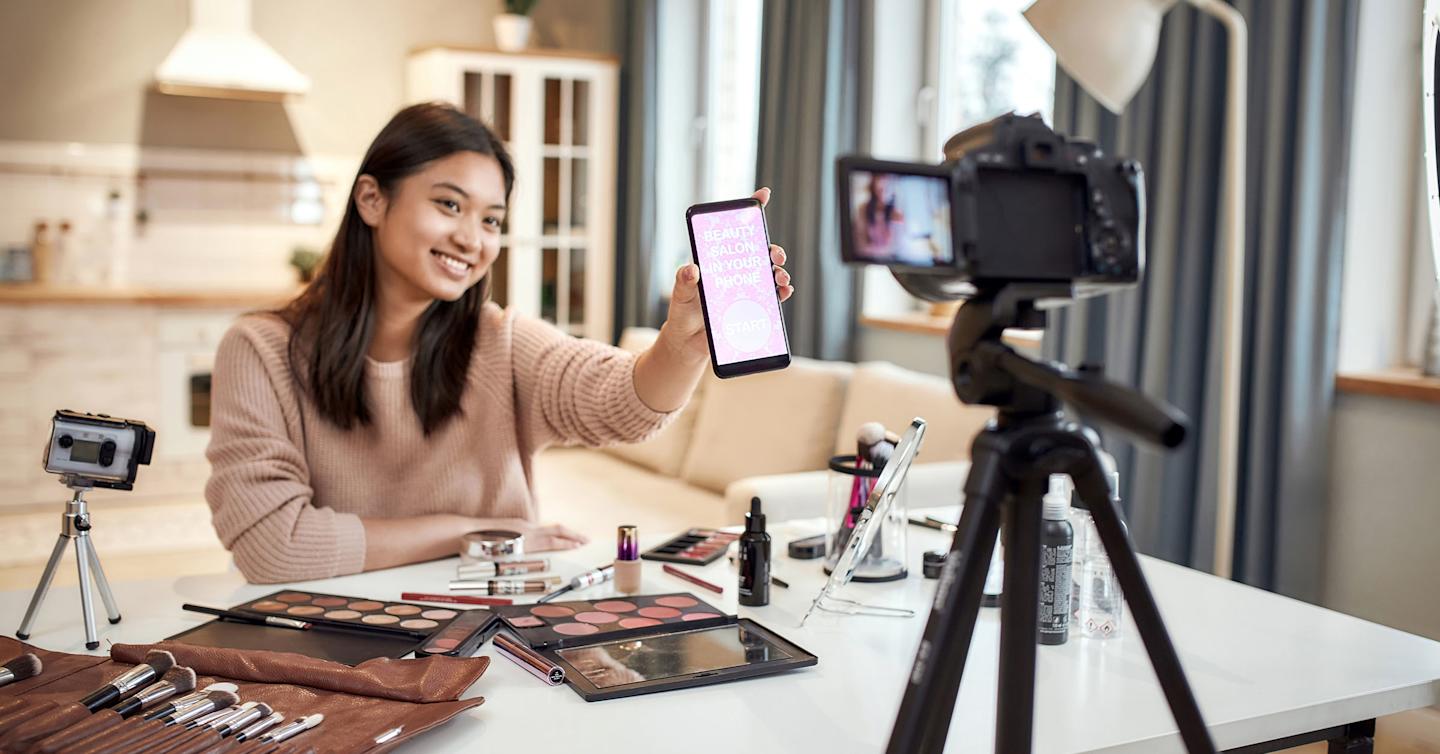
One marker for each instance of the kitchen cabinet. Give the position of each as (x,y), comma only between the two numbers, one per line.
(557,115)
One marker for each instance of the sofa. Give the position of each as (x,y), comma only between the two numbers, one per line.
(768,435)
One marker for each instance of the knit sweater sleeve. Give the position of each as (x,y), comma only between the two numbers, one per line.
(259,490)
(575,391)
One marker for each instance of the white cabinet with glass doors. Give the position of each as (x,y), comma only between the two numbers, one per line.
(557,116)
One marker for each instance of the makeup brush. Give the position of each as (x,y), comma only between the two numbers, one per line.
(188,699)
(176,681)
(20,668)
(259,727)
(150,737)
(21,737)
(293,729)
(157,663)
(869,434)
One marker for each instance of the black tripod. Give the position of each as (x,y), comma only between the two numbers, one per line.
(1011,462)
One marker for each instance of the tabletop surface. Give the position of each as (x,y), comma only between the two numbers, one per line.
(1262,666)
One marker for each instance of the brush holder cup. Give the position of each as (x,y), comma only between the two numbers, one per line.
(849,488)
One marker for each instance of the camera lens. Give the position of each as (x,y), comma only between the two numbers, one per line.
(66,441)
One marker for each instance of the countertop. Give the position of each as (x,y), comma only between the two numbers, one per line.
(41,294)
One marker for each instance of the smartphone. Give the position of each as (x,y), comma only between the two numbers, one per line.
(737,288)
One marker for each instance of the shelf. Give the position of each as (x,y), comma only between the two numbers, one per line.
(922,323)
(1403,384)
(39,295)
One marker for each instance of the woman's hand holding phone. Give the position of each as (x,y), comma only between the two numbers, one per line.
(686,323)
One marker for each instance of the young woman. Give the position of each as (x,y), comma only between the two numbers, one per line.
(391,406)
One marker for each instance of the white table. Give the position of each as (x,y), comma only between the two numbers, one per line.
(1263,667)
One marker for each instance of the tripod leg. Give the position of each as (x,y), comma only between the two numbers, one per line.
(82,563)
(1019,616)
(1093,489)
(924,717)
(42,588)
(111,611)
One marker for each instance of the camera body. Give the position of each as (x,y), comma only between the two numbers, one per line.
(103,450)
(1014,202)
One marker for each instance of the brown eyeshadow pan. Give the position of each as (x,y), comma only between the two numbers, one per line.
(380,619)
(366,606)
(418,624)
(269,606)
(342,615)
(439,614)
(403,610)
(329,601)
(293,597)
(305,610)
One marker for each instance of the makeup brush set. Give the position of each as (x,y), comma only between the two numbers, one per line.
(152,707)
(175,698)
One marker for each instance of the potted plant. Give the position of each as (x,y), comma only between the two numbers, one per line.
(305,260)
(512,28)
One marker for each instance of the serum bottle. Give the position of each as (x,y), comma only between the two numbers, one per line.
(755,558)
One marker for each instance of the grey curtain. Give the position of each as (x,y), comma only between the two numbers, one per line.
(814,98)
(1164,336)
(638,304)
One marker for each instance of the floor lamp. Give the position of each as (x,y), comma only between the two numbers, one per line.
(1108,46)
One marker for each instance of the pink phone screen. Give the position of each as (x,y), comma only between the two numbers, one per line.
(734,256)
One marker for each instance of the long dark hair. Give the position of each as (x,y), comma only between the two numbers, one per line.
(333,320)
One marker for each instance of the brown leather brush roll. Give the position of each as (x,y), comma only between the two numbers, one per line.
(358,703)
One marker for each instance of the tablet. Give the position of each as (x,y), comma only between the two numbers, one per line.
(678,660)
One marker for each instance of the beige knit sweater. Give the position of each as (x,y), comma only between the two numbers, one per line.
(288,488)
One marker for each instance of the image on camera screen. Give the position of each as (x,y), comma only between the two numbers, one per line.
(900,219)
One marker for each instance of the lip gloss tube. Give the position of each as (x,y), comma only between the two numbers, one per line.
(527,658)
(505,586)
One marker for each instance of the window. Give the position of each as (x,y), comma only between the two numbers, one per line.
(709,92)
(980,59)
(988,62)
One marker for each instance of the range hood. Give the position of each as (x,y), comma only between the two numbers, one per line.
(219,56)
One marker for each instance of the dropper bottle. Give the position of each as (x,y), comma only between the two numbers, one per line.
(754,558)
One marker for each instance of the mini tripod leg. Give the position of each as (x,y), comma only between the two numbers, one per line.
(43,587)
(1094,491)
(111,611)
(1019,616)
(924,718)
(82,564)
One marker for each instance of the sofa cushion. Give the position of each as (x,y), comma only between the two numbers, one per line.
(882,392)
(770,423)
(593,492)
(665,452)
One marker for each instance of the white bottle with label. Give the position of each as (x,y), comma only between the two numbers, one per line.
(1102,607)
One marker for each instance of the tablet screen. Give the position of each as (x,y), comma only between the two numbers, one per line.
(654,658)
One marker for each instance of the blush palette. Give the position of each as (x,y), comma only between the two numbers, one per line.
(694,547)
(553,625)
(376,616)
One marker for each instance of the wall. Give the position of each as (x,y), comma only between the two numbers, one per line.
(80,101)
(1382,555)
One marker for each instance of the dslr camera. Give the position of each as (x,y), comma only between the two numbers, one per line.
(99,449)
(1014,202)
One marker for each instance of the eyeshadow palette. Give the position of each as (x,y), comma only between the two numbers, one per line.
(375,616)
(462,636)
(553,625)
(694,547)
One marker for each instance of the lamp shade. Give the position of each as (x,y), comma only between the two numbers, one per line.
(1106,45)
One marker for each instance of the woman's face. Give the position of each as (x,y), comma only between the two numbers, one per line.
(438,231)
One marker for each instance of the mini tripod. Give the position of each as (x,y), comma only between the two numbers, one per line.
(1011,461)
(75,526)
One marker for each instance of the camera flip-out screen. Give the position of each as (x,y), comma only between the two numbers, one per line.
(896,214)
